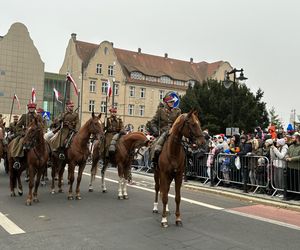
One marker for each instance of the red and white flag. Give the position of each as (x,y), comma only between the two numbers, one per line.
(109,89)
(70,78)
(17,99)
(33,96)
(57,94)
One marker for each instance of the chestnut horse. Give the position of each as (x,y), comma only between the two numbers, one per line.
(171,162)
(123,157)
(37,157)
(76,154)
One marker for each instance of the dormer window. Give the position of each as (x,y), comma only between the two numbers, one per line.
(165,79)
(137,75)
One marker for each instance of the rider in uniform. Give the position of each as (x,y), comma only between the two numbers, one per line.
(160,124)
(17,151)
(114,126)
(12,130)
(69,125)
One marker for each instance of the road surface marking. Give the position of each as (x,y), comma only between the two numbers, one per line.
(9,226)
(276,222)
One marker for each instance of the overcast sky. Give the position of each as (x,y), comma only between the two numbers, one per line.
(261,36)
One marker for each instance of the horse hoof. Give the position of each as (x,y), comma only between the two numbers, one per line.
(164,224)
(36,200)
(28,203)
(20,193)
(179,223)
(13,194)
(53,192)
(91,189)
(70,198)
(60,191)
(120,197)
(43,183)
(155,211)
(104,191)
(126,197)
(78,198)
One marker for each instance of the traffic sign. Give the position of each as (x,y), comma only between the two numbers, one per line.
(176,99)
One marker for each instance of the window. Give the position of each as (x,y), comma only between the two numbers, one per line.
(110,70)
(99,68)
(131,91)
(165,79)
(104,88)
(116,89)
(93,86)
(142,128)
(130,109)
(137,75)
(103,107)
(142,93)
(141,110)
(161,94)
(151,78)
(91,105)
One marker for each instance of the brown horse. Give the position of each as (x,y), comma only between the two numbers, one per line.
(76,154)
(125,149)
(37,157)
(171,162)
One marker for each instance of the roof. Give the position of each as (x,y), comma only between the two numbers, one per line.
(152,65)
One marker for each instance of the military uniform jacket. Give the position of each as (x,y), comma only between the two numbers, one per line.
(164,118)
(114,125)
(70,120)
(13,128)
(24,122)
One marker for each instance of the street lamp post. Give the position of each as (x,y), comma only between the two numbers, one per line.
(228,83)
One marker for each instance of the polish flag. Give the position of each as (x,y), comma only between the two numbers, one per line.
(57,94)
(109,89)
(17,99)
(70,78)
(33,96)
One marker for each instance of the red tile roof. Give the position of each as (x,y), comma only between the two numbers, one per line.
(152,65)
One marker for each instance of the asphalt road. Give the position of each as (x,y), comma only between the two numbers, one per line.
(101,221)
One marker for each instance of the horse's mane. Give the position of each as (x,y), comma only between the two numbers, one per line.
(177,122)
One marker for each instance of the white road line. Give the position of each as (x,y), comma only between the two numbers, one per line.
(202,204)
(9,226)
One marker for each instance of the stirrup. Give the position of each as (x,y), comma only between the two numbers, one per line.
(16,165)
(61,156)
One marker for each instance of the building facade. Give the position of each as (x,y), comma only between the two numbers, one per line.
(21,69)
(140,80)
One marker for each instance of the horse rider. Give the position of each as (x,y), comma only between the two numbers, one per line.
(12,129)
(162,121)
(40,112)
(68,123)
(114,126)
(17,151)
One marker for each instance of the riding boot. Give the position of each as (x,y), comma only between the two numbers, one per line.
(17,164)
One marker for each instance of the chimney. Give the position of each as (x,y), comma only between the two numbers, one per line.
(73,36)
(139,50)
(191,60)
(166,55)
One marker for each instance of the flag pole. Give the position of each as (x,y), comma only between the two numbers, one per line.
(65,95)
(53,100)
(11,109)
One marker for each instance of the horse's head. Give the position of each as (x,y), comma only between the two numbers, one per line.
(95,126)
(192,129)
(33,135)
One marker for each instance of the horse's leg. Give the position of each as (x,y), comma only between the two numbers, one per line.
(20,187)
(31,175)
(79,176)
(126,173)
(53,174)
(103,170)
(71,170)
(61,170)
(156,179)
(37,183)
(93,173)
(120,189)
(12,178)
(178,183)
(165,183)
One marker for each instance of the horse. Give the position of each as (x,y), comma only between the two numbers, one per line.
(171,162)
(37,157)
(123,157)
(76,154)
